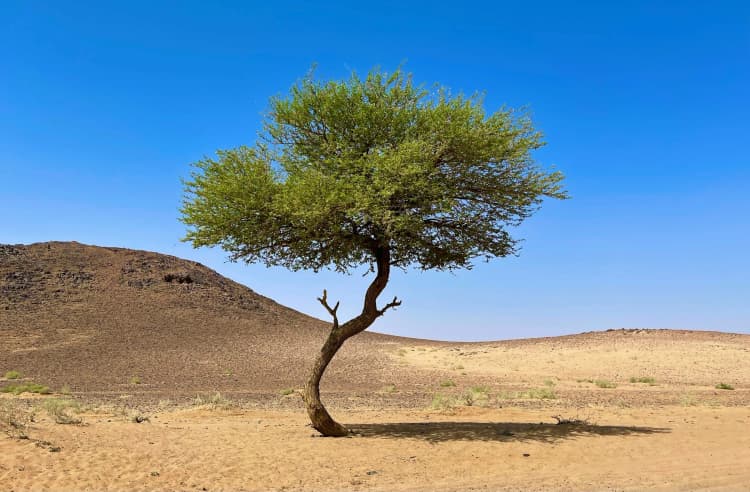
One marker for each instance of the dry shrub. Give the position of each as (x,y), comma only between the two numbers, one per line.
(15,418)
(213,401)
(61,410)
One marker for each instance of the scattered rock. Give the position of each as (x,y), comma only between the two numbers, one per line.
(179,278)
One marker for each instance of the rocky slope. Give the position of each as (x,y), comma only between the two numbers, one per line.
(95,318)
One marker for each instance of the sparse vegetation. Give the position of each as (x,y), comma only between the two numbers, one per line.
(585,381)
(549,383)
(117,411)
(65,389)
(643,379)
(688,400)
(62,409)
(287,391)
(13,375)
(213,401)
(476,396)
(163,404)
(389,388)
(29,387)
(447,383)
(724,386)
(15,419)
(443,403)
(539,393)
(508,395)
(545,393)
(603,383)
(401,352)
(135,380)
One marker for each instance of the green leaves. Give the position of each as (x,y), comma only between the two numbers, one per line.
(344,167)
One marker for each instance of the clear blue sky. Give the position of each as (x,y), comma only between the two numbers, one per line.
(103,106)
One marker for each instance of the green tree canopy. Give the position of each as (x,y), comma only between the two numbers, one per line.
(374,171)
(345,166)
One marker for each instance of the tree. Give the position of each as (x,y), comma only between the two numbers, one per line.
(375,171)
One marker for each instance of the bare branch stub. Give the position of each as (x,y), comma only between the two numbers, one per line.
(394,303)
(331,310)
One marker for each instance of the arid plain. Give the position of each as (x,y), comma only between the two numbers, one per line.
(172,377)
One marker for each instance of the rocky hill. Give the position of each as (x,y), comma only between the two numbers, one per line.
(98,318)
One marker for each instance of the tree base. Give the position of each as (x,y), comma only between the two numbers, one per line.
(322,420)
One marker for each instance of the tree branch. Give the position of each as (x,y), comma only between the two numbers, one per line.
(331,310)
(394,303)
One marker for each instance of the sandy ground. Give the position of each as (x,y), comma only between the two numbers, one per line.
(469,448)
(681,367)
(467,417)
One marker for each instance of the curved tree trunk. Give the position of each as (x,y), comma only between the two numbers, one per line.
(319,416)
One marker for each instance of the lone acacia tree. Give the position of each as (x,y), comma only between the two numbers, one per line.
(374,171)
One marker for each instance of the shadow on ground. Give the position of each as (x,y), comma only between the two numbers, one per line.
(495,431)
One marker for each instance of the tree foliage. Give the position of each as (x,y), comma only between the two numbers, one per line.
(343,169)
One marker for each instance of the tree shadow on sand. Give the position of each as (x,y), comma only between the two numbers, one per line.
(495,431)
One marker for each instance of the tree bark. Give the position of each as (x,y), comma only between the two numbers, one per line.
(319,416)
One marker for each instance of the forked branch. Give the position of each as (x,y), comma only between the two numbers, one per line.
(332,310)
(394,303)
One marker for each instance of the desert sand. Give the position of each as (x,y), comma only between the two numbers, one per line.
(139,354)
(661,448)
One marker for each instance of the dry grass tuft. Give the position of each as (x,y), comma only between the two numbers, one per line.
(443,403)
(62,409)
(643,379)
(603,383)
(213,401)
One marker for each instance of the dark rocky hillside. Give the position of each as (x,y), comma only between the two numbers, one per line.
(94,318)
